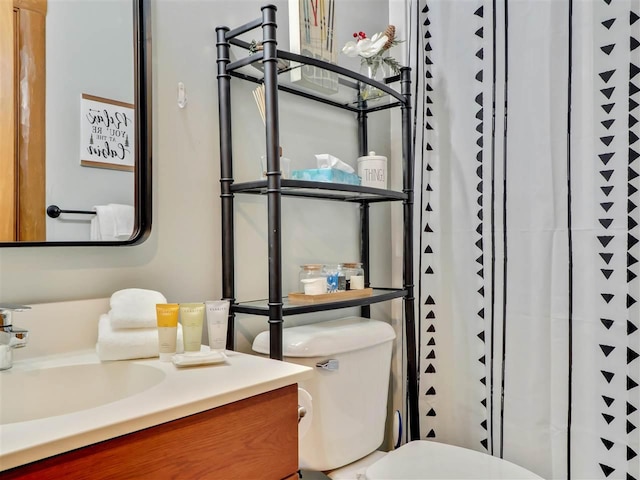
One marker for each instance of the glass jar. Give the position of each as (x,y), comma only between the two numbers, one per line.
(312,279)
(336,280)
(354,275)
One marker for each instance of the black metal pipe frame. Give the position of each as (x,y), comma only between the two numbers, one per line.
(363,148)
(365,310)
(409,300)
(270,64)
(226,178)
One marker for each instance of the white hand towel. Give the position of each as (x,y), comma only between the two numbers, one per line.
(112,222)
(95,233)
(127,344)
(123,216)
(134,308)
(105,222)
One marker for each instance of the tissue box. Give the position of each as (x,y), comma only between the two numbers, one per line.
(330,175)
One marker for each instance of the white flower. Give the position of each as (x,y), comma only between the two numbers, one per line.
(366,47)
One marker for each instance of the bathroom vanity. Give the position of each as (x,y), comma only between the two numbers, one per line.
(231,420)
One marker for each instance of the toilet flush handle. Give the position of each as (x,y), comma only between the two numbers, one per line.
(332,365)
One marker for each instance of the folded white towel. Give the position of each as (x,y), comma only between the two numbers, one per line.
(126,344)
(112,222)
(134,308)
(95,233)
(124,219)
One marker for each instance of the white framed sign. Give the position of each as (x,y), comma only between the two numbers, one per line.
(312,34)
(107,133)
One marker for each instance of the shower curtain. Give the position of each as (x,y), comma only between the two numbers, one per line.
(527,146)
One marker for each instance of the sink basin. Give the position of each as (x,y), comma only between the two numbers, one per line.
(48,392)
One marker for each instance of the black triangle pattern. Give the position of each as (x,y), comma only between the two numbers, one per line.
(606,469)
(606,257)
(608,92)
(633,234)
(479,241)
(606,174)
(430,125)
(608,376)
(605,157)
(608,144)
(606,322)
(608,48)
(607,443)
(606,76)
(607,349)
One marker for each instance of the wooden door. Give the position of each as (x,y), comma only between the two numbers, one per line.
(8,190)
(22,120)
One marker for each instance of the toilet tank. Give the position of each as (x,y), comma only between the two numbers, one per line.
(349,395)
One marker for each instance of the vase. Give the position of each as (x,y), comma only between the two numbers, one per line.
(375,71)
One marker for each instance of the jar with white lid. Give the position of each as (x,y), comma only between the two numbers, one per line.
(312,279)
(336,281)
(354,275)
(372,170)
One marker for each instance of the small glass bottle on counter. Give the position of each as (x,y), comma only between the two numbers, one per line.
(312,279)
(354,275)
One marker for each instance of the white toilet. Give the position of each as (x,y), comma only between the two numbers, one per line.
(346,408)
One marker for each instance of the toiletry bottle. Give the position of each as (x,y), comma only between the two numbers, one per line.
(217,320)
(191,315)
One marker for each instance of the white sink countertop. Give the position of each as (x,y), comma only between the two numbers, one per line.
(182,392)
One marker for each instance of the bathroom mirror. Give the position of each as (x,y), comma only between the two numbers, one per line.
(75,122)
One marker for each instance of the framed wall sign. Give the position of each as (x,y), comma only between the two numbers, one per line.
(107,133)
(311,33)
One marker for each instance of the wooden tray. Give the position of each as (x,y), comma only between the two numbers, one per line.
(298,297)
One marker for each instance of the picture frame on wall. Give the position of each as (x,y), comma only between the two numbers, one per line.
(312,34)
(107,133)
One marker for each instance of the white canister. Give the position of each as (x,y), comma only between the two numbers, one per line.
(372,169)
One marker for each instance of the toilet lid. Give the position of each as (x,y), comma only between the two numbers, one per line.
(430,460)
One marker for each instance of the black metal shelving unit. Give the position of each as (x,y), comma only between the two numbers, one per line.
(274,64)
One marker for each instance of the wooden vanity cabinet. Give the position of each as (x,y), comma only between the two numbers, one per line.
(254,438)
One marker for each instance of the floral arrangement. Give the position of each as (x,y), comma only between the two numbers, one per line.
(372,50)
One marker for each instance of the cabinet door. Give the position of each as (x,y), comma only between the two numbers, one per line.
(255,438)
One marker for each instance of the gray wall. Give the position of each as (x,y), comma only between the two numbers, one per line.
(182,256)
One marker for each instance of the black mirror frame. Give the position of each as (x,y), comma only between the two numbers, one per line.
(143,170)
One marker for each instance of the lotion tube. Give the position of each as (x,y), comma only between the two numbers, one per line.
(217,320)
(191,316)
(167,317)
